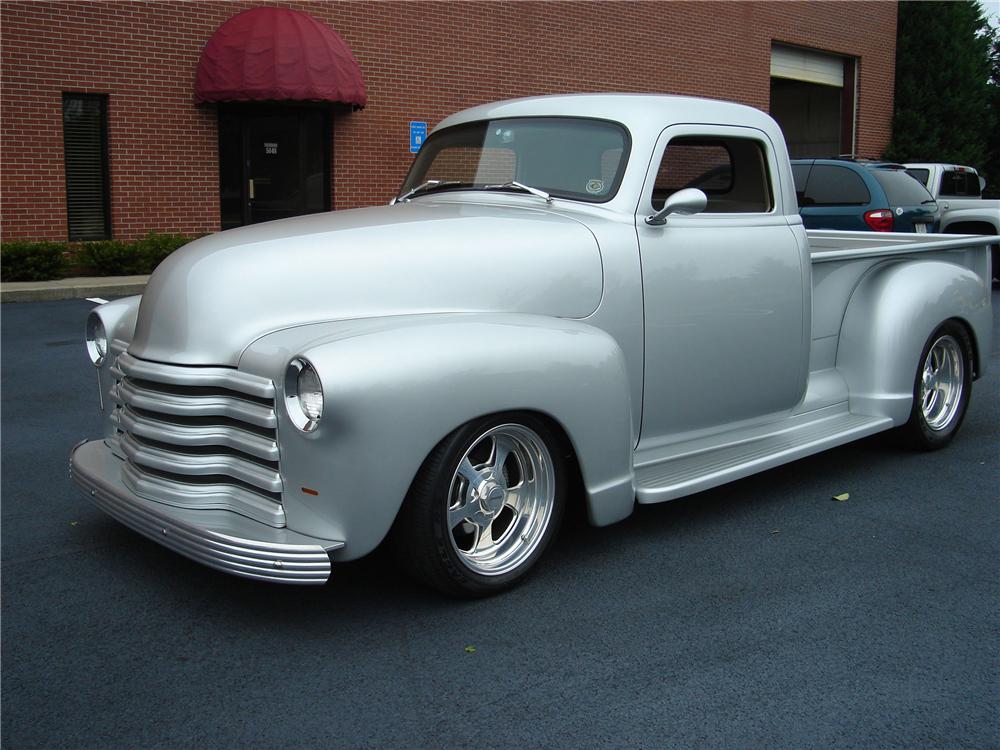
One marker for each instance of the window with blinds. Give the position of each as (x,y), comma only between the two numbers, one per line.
(85,148)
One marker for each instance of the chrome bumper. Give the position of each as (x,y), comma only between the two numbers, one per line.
(219,539)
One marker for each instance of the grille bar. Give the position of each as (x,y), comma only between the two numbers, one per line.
(140,397)
(209,464)
(196,435)
(206,496)
(212,377)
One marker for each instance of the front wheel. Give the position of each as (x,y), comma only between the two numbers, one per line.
(942,388)
(483,507)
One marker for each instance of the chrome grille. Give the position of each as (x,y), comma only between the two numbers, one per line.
(198,437)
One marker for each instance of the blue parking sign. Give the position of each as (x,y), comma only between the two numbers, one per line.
(418,134)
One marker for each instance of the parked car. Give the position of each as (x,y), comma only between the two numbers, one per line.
(527,317)
(853,195)
(959,192)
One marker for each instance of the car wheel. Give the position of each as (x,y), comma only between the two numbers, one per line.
(942,388)
(483,507)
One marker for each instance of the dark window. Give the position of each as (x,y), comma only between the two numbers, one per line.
(274,162)
(800,173)
(732,172)
(920,175)
(85,152)
(830,185)
(960,184)
(901,189)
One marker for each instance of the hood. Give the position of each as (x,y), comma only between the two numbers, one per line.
(209,300)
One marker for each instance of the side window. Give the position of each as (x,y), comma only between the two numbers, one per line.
(920,175)
(732,172)
(800,174)
(831,185)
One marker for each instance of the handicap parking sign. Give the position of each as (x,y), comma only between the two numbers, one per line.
(418,134)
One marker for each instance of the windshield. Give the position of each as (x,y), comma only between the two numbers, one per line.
(566,157)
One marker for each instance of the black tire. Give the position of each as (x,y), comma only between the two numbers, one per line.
(432,540)
(937,414)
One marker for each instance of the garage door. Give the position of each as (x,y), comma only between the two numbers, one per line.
(813,101)
(806,65)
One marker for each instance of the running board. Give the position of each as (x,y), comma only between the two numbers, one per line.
(686,474)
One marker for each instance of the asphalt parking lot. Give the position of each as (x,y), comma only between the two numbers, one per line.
(761,614)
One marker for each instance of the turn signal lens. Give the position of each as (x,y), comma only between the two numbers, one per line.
(879,221)
(97,339)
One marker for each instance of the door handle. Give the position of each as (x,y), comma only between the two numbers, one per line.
(251,190)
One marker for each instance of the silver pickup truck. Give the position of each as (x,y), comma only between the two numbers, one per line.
(597,299)
(963,210)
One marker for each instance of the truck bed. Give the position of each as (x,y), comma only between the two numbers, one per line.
(841,259)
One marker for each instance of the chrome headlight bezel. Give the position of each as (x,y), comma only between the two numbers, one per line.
(97,339)
(303,394)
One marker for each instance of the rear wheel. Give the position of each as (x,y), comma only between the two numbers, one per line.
(942,388)
(483,507)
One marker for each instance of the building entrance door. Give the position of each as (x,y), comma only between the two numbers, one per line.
(273,163)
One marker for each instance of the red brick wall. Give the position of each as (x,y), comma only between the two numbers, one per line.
(420,61)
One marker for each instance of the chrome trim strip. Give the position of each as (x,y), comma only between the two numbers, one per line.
(200,464)
(219,539)
(190,435)
(217,377)
(129,394)
(202,496)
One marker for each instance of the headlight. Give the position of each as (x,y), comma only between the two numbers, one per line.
(97,339)
(303,394)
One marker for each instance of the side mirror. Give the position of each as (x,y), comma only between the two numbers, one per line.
(684,202)
(982,183)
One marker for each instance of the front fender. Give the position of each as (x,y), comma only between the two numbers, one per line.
(394,387)
(890,316)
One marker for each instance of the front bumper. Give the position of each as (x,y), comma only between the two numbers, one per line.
(219,539)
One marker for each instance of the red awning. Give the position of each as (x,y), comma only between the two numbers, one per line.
(278,54)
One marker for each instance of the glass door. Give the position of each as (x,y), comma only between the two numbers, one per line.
(273,163)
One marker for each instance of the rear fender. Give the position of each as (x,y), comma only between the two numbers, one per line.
(394,387)
(890,316)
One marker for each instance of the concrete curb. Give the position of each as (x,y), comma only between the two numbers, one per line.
(75,288)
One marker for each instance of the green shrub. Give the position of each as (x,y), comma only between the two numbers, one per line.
(109,258)
(153,248)
(120,258)
(32,261)
(41,261)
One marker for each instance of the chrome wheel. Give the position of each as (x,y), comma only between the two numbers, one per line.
(501,499)
(942,382)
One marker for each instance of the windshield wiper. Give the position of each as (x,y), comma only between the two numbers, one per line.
(424,187)
(520,186)
(924,203)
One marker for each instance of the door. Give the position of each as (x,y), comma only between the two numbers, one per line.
(724,291)
(273,163)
